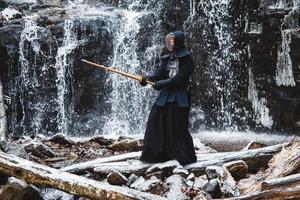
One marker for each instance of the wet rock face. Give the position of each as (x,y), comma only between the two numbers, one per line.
(243,76)
(30,59)
(241,49)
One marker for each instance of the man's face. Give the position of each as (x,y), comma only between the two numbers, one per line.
(170,42)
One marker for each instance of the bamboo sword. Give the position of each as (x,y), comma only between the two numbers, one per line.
(132,76)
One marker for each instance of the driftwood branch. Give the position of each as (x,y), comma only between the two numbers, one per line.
(288,181)
(89,165)
(38,174)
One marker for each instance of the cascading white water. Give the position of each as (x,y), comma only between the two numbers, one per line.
(129,102)
(3,122)
(216,13)
(284,72)
(29,81)
(259,105)
(62,66)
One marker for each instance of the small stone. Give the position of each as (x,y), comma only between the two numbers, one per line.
(131,179)
(116,178)
(213,188)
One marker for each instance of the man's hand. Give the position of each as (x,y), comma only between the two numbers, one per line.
(143,82)
(158,85)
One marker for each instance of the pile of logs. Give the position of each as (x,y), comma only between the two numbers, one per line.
(257,172)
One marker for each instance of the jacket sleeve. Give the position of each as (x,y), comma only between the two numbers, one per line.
(186,68)
(161,72)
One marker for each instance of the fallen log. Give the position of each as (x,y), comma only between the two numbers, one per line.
(288,181)
(41,175)
(275,194)
(126,167)
(254,158)
(285,163)
(90,165)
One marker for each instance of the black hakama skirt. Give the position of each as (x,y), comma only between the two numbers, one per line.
(167,136)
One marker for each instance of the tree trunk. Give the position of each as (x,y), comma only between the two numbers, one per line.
(38,174)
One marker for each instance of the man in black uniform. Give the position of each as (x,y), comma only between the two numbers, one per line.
(167,136)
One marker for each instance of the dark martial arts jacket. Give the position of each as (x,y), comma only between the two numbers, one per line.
(173,74)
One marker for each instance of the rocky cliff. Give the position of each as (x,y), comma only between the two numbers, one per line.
(246,54)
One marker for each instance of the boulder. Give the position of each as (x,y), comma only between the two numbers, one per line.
(61,139)
(238,169)
(101,140)
(126,145)
(17,189)
(39,150)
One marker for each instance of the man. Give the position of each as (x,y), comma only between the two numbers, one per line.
(167,136)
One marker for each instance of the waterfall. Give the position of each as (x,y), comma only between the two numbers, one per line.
(130,103)
(259,105)
(29,80)
(63,65)
(220,45)
(284,72)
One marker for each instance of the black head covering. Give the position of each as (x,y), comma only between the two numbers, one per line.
(180,49)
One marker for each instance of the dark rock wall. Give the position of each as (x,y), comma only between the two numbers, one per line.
(235,45)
